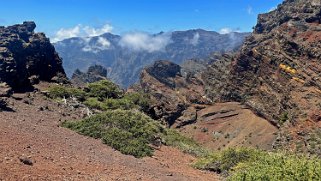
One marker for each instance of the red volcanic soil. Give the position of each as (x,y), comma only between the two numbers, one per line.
(32,133)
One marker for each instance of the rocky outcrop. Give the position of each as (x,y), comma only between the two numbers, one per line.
(27,57)
(278,69)
(165,72)
(216,75)
(95,73)
(174,97)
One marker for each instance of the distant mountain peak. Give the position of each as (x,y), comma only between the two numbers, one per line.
(125,56)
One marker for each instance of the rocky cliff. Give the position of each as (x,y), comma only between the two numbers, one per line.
(175,98)
(278,70)
(94,73)
(27,57)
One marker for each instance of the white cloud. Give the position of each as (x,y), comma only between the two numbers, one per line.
(100,45)
(140,41)
(90,31)
(105,44)
(67,33)
(249,10)
(225,31)
(194,40)
(80,31)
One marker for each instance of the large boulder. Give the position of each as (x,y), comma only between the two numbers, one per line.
(27,57)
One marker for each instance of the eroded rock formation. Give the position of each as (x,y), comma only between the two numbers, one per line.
(27,57)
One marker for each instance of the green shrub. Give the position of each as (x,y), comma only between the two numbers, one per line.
(279,166)
(112,104)
(93,103)
(252,164)
(139,99)
(187,145)
(226,160)
(102,95)
(104,89)
(284,117)
(119,104)
(65,92)
(129,132)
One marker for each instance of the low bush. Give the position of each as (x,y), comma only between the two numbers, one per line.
(128,131)
(93,103)
(104,89)
(253,164)
(187,145)
(60,91)
(132,132)
(140,99)
(122,103)
(102,95)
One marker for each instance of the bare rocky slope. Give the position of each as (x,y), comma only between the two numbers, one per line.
(277,72)
(180,100)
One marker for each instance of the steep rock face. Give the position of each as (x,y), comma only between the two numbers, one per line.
(94,73)
(278,70)
(174,96)
(165,72)
(27,57)
(216,75)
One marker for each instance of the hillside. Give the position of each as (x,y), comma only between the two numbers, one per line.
(277,72)
(33,132)
(278,68)
(125,58)
(35,101)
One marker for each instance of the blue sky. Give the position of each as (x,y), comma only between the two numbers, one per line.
(135,15)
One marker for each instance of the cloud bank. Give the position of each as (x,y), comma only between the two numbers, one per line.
(80,31)
(100,45)
(224,31)
(141,41)
(195,39)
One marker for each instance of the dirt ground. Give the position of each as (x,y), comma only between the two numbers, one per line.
(32,132)
(231,124)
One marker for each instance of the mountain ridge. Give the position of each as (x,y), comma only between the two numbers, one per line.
(125,56)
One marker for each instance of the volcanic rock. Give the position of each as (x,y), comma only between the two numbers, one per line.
(26,57)
(278,69)
(171,93)
(95,73)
